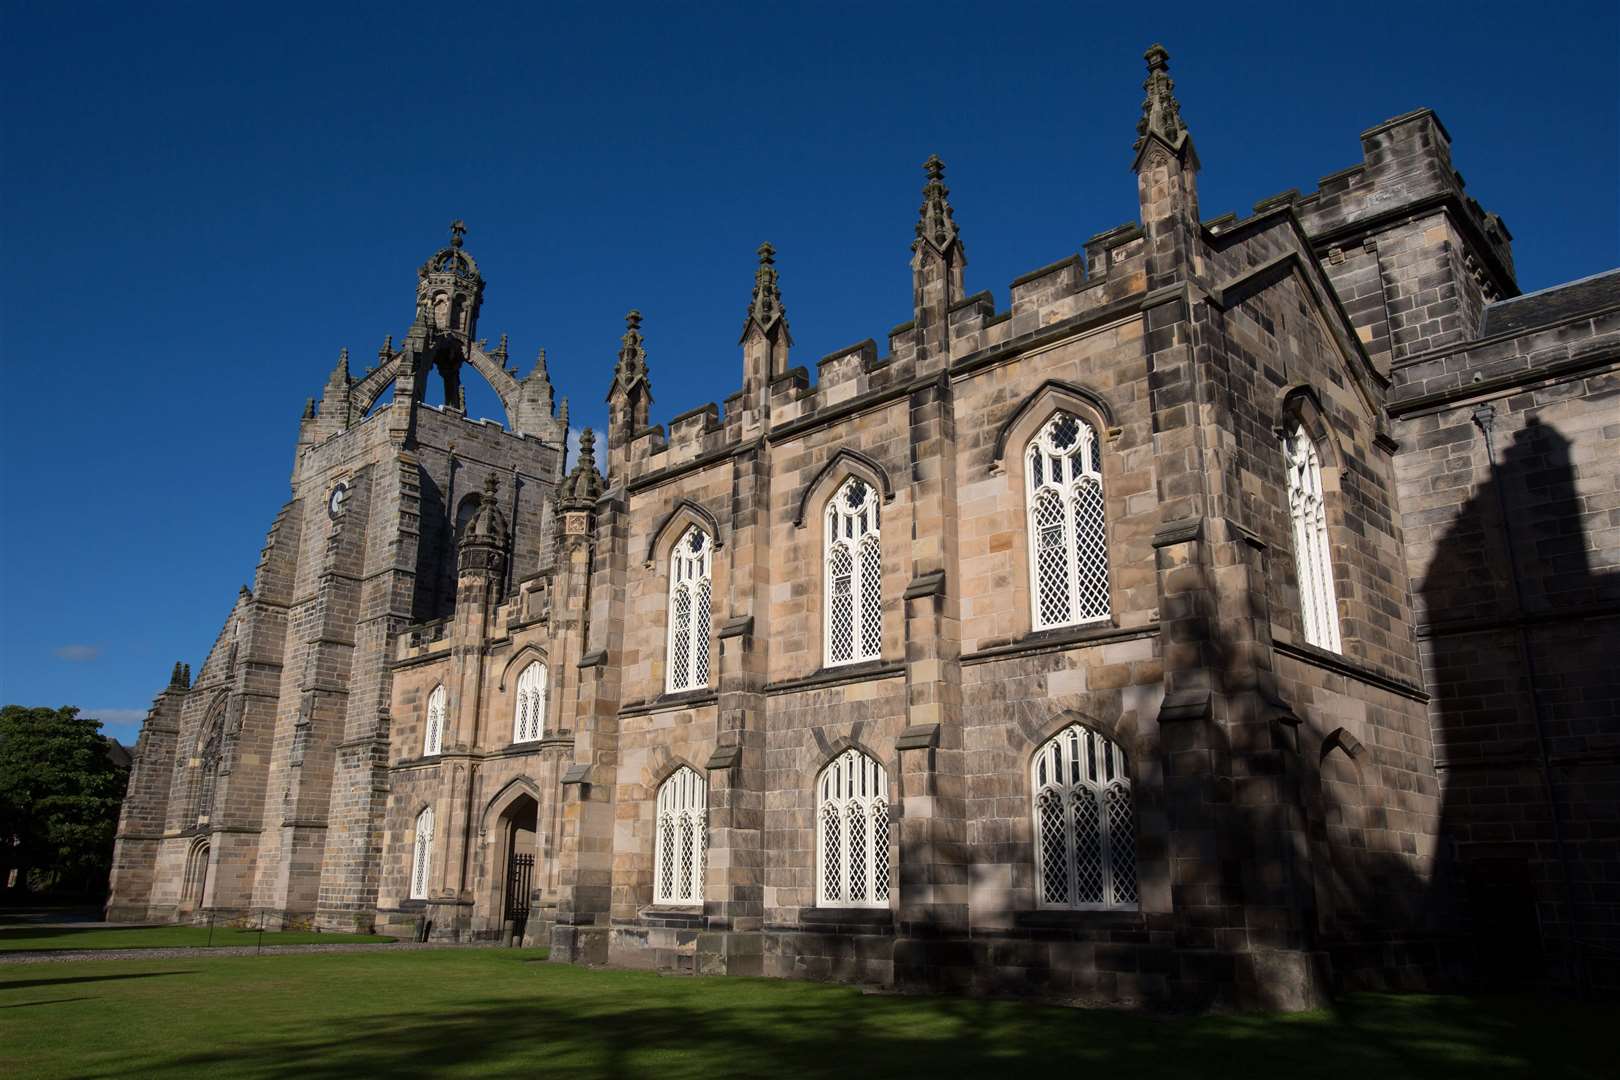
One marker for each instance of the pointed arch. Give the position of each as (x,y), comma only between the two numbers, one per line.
(422,853)
(523,657)
(680,836)
(434,722)
(1340,739)
(510,792)
(1051,395)
(844,463)
(684,512)
(1300,406)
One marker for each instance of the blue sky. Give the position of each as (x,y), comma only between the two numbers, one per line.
(203,203)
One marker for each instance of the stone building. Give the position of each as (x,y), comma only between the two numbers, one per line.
(1229,617)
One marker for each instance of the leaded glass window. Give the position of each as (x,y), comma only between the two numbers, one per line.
(528,721)
(421,854)
(852,833)
(1319,610)
(433,739)
(690,568)
(1068,537)
(854,597)
(1085,830)
(680,838)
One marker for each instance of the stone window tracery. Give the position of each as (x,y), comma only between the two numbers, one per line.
(852,833)
(433,739)
(528,721)
(679,844)
(1068,537)
(422,854)
(1085,830)
(690,587)
(1319,610)
(854,588)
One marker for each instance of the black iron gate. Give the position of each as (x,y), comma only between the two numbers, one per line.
(518,880)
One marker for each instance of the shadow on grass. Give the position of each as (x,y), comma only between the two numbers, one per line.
(24,984)
(47,1001)
(706,1029)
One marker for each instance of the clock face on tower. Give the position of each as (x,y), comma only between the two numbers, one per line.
(334,504)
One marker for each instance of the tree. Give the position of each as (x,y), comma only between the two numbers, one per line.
(60,791)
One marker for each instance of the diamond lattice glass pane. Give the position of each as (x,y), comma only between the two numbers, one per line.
(871,599)
(831,852)
(1051,829)
(680,644)
(1088,849)
(687,860)
(1121,845)
(1052,564)
(666,856)
(1091,549)
(700,825)
(880,850)
(858,847)
(1063,430)
(700,637)
(841,614)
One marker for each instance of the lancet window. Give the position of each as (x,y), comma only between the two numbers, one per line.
(1319,610)
(854,600)
(422,854)
(852,833)
(690,570)
(1085,830)
(678,846)
(1068,540)
(528,721)
(433,739)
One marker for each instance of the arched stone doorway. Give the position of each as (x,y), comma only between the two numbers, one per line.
(194,885)
(518,853)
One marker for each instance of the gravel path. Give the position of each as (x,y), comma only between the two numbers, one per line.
(58,956)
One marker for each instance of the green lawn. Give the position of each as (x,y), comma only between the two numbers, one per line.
(18,937)
(504,1012)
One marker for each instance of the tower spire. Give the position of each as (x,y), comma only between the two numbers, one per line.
(631,370)
(936,224)
(765,308)
(1161,112)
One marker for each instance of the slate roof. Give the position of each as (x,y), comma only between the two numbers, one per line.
(1550,305)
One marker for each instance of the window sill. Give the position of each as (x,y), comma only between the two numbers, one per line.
(874,918)
(1062,637)
(1080,919)
(684,699)
(833,676)
(680,916)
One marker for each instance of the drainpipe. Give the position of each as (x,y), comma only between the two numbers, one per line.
(1484,417)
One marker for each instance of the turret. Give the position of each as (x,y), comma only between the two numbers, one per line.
(937,261)
(1166,168)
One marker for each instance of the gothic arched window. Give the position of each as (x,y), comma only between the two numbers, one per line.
(421,854)
(1085,832)
(1318,609)
(1068,537)
(678,845)
(854,600)
(852,833)
(690,565)
(529,717)
(433,740)
(208,778)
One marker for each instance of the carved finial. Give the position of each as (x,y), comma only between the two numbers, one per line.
(492,485)
(632,366)
(244,593)
(185,676)
(387,349)
(1161,113)
(935,221)
(587,447)
(765,306)
(340,373)
(309,408)
(500,352)
(584,485)
(632,321)
(458,229)
(174,676)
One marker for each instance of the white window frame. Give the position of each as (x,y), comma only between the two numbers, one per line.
(1067,524)
(422,854)
(1085,824)
(852,833)
(1313,562)
(529,711)
(691,570)
(852,596)
(680,838)
(433,729)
